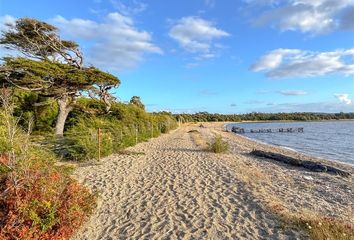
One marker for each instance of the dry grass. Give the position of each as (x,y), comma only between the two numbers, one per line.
(314,226)
(197,138)
(317,227)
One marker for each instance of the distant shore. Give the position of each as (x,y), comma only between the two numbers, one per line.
(266,121)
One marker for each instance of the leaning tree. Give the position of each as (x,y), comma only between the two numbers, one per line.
(52,67)
(135,100)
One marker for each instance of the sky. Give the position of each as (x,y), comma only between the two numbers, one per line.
(226,56)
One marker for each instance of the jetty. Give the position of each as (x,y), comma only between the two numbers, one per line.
(267,130)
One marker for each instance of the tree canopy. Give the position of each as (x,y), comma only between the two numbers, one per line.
(135,100)
(52,67)
(40,40)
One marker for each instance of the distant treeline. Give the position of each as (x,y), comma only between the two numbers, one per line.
(298,116)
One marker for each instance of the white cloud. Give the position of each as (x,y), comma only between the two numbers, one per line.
(292,92)
(282,63)
(5,20)
(115,44)
(209,3)
(196,35)
(343,98)
(132,8)
(273,59)
(308,16)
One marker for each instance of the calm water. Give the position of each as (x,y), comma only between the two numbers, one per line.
(330,139)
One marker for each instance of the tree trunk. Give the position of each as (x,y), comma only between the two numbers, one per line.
(65,108)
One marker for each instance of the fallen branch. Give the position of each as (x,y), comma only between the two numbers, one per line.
(311,165)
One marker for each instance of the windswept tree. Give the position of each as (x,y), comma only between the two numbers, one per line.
(135,100)
(52,67)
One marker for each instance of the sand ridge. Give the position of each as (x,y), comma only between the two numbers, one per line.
(175,190)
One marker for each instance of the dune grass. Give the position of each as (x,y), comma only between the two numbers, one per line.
(217,145)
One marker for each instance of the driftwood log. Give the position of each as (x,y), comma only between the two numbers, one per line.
(311,165)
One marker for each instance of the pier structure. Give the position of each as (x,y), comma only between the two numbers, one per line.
(267,130)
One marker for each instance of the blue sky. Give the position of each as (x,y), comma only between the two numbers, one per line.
(221,56)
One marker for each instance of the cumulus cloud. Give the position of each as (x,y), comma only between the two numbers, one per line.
(115,44)
(197,35)
(308,16)
(292,92)
(343,98)
(281,63)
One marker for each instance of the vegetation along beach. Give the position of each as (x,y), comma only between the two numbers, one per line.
(180,120)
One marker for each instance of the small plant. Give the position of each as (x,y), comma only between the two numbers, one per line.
(217,145)
(42,214)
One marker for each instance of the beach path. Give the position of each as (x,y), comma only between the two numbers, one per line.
(169,188)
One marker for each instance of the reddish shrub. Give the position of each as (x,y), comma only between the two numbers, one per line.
(42,203)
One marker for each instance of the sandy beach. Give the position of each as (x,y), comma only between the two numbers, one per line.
(171,188)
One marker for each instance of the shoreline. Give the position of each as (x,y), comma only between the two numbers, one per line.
(171,187)
(313,155)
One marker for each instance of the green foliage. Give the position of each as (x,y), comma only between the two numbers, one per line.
(52,79)
(137,102)
(53,67)
(217,145)
(41,213)
(35,38)
(125,125)
(216,117)
(4,169)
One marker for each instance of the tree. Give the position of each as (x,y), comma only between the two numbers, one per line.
(135,100)
(53,67)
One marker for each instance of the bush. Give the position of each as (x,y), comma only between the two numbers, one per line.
(217,145)
(125,125)
(38,199)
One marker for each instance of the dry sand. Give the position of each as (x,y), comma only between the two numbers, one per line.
(170,188)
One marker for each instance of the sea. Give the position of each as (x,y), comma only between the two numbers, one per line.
(332,140)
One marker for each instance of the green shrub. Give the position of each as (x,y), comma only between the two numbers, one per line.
(217,145)
(124,126)
(41,213)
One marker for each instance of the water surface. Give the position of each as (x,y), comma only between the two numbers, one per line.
(327,139)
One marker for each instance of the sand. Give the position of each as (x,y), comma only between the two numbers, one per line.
(171,188)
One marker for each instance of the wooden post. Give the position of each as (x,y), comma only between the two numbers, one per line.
(99,143)
(136,135)
(152,130)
